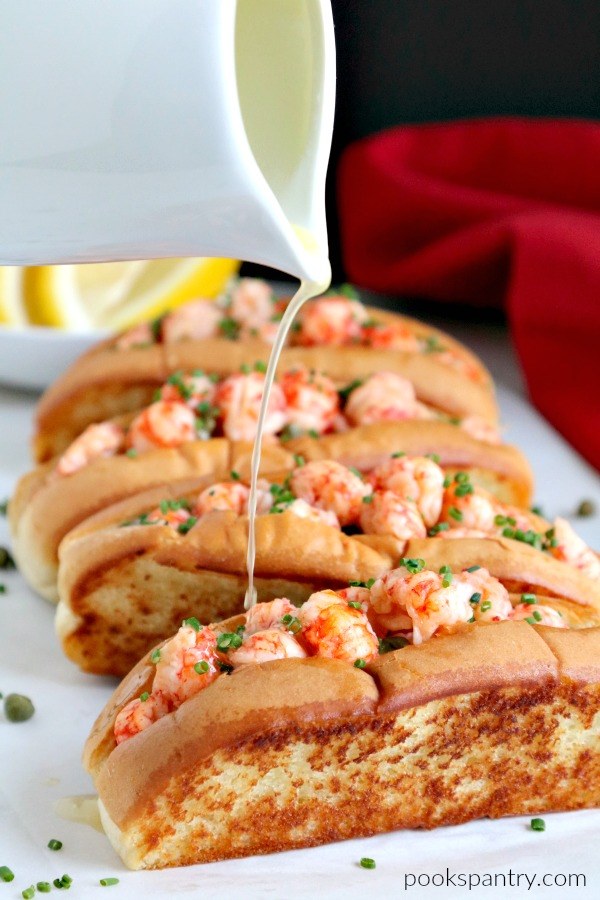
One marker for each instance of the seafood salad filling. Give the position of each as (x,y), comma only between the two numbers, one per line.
(249,309)
(405,497)
(197,406)
(409,604)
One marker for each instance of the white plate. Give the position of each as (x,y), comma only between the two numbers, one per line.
(34,357)
(40,759)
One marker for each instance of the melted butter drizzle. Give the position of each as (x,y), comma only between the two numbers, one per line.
(82,809)
(306,291)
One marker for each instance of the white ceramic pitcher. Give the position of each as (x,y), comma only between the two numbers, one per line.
(155,128)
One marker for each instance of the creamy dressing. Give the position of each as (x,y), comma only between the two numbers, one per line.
(306,291)
(82,809)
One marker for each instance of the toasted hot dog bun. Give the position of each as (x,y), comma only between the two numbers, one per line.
(45,508)
(495,720)
(106,382)
(122,589)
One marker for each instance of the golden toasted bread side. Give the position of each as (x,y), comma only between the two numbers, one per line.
(498,719)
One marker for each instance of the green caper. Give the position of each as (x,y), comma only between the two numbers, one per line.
(586,508)
(18,708)
(6,560)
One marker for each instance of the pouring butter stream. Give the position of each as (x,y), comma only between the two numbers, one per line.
(306,291)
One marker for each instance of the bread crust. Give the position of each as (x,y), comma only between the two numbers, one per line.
(498,719)
(105,382)
(123,589)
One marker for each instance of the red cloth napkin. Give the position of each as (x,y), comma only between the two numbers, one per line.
(492,212)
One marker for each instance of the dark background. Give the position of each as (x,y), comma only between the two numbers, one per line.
(404,61)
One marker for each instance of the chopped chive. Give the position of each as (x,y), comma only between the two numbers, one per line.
(192,622)
(435,529)
(186,526)
(346,391)
(357,583)
(360,663)
(475,598)
(537,615)
(355,604)
(485,606)
(201,668)
(537,510)
(144,696)
(471,620)
(348,290)
(500,520)
(446,571)
(53,844)
(107,882)
(528,598)
(370,583)
(28,893)
(44,887)
(313,433)
(538,825)
(414,566)
(398,454)
(368,498)
(434,457)
(229,328)
(508,532)
(462,490)
(235,476)
(228,640)
(4,506)
(292,623)
(461,478)
(447,481)
(356,472)
(367,863)
(393,642)
(66,880)
(455,513)
(2,588)
(473,569)
(260,366)
(299,460)
(6,874)
(155,656)
(530,619)
(131,453)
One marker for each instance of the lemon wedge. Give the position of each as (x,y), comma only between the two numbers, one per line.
(12,311)
(118,295)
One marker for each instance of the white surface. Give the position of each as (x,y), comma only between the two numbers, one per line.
(40,759)
(33,358)
(126,136)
